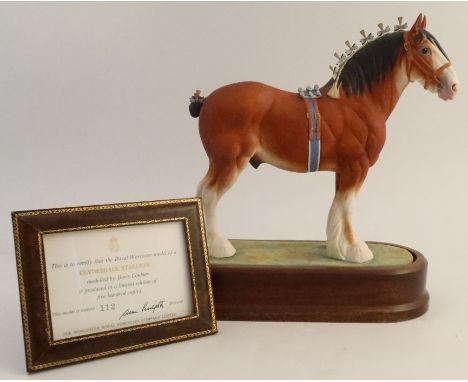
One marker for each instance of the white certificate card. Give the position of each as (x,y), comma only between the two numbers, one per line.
(118,277)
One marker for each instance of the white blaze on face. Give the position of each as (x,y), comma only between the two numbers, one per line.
(448,87)
(448,78)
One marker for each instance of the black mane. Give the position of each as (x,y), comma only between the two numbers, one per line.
(372,63)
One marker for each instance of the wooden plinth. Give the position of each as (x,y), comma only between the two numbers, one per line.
(385,290)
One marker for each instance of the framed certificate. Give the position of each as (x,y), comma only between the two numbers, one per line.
(101,280)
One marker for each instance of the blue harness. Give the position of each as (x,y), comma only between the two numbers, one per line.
(314,139)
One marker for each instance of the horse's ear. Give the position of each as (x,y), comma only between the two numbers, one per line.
(417,26)
(423,23)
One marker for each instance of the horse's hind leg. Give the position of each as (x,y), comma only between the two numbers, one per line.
(220,177)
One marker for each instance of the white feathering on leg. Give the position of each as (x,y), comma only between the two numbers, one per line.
(217,245)
(338,246)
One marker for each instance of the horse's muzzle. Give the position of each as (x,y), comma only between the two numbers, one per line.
(448,85)
(447,92)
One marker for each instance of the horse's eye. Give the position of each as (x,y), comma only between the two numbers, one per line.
(425,51)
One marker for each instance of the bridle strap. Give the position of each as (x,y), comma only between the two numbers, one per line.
(430,75)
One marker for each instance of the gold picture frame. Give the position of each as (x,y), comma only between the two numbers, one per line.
(81,300)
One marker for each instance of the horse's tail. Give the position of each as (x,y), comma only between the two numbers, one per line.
(196,103)
(195,108)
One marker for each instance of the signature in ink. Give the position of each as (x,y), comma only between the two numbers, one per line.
(152,307)
(145,308)
(127,312)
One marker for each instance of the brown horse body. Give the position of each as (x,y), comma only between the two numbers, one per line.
(252,122)
(276,131)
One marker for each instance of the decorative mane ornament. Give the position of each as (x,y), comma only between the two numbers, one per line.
(366,37)
(339,127)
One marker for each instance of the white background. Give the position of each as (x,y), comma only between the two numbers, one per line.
(93,109)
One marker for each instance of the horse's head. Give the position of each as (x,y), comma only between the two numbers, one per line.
(427,63)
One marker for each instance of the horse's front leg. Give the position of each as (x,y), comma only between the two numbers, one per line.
(342,241)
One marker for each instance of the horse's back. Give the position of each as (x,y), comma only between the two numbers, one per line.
(242,100)
(251,103)
(269,122)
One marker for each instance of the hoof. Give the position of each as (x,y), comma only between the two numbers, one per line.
(354,253)
(220,247)
(359,253)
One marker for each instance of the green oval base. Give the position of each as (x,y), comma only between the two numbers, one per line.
(307,253)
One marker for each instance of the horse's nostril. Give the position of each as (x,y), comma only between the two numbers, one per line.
(455,87)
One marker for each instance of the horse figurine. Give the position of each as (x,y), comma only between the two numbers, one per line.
(339,127)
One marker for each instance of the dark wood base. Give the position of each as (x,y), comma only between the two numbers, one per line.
(326,294)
